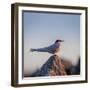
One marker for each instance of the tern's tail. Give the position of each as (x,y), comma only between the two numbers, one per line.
(32,50)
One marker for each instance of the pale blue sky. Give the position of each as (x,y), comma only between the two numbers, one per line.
(42,29)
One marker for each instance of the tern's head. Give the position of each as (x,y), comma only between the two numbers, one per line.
(59,41)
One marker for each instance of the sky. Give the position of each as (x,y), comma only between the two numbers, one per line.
(43,29)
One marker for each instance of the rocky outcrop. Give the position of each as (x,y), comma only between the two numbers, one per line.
(55,66)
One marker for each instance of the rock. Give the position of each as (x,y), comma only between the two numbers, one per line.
(55,66)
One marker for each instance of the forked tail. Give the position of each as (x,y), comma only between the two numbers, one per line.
(32,50)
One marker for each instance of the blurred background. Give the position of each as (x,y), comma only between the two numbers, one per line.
(43,29)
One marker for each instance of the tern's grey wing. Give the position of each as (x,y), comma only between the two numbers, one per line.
(52,48)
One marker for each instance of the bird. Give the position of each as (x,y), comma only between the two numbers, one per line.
(54,48)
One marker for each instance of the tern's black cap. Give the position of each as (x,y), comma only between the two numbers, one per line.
(59,41)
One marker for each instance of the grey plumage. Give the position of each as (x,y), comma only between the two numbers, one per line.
(49,49)
(54,48)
